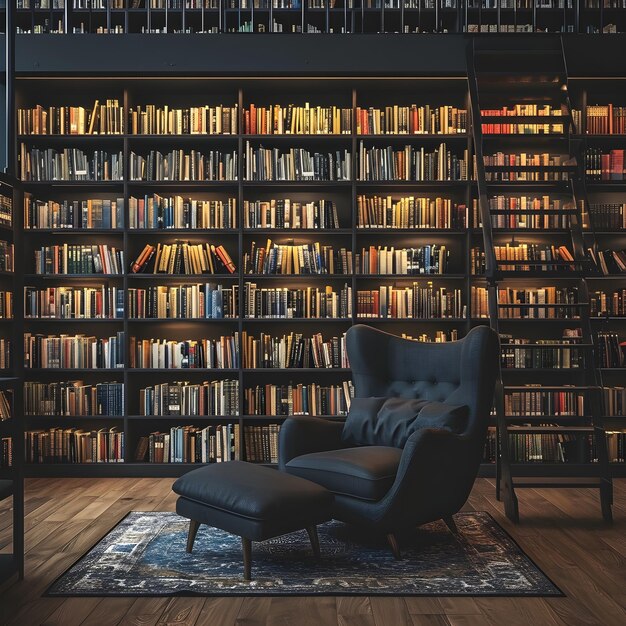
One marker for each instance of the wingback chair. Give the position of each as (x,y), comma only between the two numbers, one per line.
(412,444)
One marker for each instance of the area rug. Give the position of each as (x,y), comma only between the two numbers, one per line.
(144,555)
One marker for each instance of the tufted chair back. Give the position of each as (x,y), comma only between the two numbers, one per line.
(384,365)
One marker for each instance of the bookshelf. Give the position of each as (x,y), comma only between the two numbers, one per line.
(319,16)
(368,213)
(11,450)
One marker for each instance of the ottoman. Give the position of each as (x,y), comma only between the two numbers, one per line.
(251,501)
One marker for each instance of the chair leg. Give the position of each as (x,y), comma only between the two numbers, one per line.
(246,546)
(315,542)
(193,531)
(451,524)
(393,544)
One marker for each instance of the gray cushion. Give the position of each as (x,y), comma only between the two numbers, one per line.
(252,491)
(391,421)
(366,473)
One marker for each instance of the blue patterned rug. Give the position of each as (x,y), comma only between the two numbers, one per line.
(144,555)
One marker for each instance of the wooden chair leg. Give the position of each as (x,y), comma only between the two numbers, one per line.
(393,544)
(451,524)
(193,531)
(315,542)
(246,546)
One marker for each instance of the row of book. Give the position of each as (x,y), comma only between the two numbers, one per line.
(271,164)
(411,119)
(608,261)
(542,447)
(73,397)
(604,303)
(219,353)
(544,253)
(79,259)
(299,399)
(304,303)
(178,165)
(610,352)
(522,353)
(6,452)
(215,443)
(538,303)
(199,120)
(208,301)
(210,398)
(73,351)
(74,445)
(6,404)
(93,213)
(477,262)
(5,353)
(183,258)
(410,212)
(604,166)
(614,399)
(277,119)
(290,214)
(308,258)
(414,302)
(105,118)
(71,164)
(520,127)
(102,302)
(606,119)
(410,164)
(6,210)
(6,305)
(608,216)
(428,259)
(293,351)
(535,212)
(538,402)
(7,257)
(155,211)
(517,167)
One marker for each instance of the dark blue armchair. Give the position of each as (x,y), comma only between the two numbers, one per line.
(412,445)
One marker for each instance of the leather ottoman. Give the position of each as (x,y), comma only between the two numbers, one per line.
(251,501)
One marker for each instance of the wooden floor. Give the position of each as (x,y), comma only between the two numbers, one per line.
(561,530)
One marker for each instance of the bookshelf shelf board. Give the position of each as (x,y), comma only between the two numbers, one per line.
(521,185)
(212,418)
(313,184)
(74,184)
(6,229)
(299,276)
(206,185)
(606,233)
(545,274)
(418,320)
(6,273)
(62,320)
(74,231)
(531,168)
(608,184)
(189,232)
(413,137)
(205,277)
(412,184)
(603,138)
(299,320)
(535,370)
(529,231)
(612,369)
(334,138)
(539,346)
(295,232)
(297,370)
(413,232)
(73,276)
(415,277)
(6,320)
(550,429)
(217,371)
(56,139)
(546,418)
(52,418)
(180,320)
(608,318)
(188,137)
(552,388)
(104,470)
(525,305)
(607,277)
(62,370)
(524,119)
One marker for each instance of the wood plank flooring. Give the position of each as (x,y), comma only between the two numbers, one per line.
(561,530)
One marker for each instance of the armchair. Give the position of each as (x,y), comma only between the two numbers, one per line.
(393,487)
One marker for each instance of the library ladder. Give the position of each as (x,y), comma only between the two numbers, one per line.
(503,73)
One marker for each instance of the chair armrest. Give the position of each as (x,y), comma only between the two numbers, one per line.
(435,476)
(303,435)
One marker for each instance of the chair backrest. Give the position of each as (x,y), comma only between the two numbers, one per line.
(457,372)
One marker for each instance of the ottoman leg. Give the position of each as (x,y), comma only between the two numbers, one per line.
(193,530)
(246,546)
(315,542)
